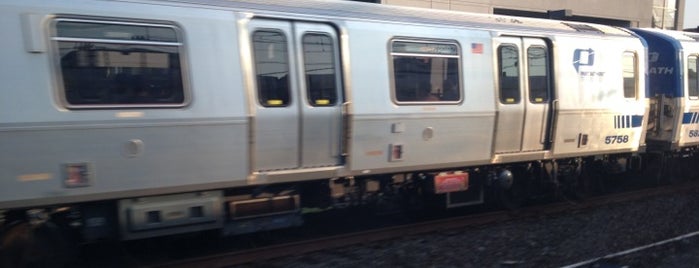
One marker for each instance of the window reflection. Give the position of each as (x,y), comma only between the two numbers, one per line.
(537,60)
(272,68)
(692,79)
(107,64)
(630,74)
(426,72)
(508,66)
(319,64)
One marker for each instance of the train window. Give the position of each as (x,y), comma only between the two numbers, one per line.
(272,68)
(119,65)
(692,78)
(630,74)
(508,67)
(319,64)
(537,59)
(426,72)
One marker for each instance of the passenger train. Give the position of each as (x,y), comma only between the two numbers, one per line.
(144,118)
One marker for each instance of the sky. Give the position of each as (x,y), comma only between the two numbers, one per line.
(691,13)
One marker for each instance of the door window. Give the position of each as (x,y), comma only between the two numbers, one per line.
(692,78)
(630,74)
(538,76)
(319,65)
(270,49)
(508,67)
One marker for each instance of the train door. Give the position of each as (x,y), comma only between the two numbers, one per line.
(524,94)
(297,105)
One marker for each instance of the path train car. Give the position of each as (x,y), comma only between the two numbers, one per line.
(673,127)
(674,88)
(135,119)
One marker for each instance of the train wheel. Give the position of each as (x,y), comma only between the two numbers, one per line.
(652,172)
(672,171)
(688,169)
(578,187)
(511,198)
(691,167)
(594,179)
(24,245)
(515,195)
(671,174)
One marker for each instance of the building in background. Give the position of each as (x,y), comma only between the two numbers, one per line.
(666,14)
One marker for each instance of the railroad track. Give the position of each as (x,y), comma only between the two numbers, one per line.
(239,257)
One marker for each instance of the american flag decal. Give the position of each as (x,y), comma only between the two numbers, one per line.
(476,48)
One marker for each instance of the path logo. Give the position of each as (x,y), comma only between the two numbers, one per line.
(583,57)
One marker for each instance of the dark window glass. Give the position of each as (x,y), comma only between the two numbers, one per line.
(508,67)
(272,68)
(426,72)
(537,59)
(319,64)
(693,80)
(630,74)
(105,64)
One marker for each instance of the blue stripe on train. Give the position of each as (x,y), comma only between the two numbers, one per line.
(687,118)
(628,121)
(636,120)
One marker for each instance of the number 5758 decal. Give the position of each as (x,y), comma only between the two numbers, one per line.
(616,139)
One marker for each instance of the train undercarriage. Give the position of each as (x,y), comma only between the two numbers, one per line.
(48,235)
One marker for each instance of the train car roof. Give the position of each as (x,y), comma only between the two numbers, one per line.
(368,11)
(663,48)
(676,36)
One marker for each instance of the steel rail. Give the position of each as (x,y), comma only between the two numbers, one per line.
(381,234)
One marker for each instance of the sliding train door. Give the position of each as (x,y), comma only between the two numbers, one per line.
(297,114)
(524,94)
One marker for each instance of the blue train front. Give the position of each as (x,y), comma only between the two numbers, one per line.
(674,89)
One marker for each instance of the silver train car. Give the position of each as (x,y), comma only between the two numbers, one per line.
(135,119)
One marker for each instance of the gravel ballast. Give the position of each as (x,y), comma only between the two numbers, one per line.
(550,241)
